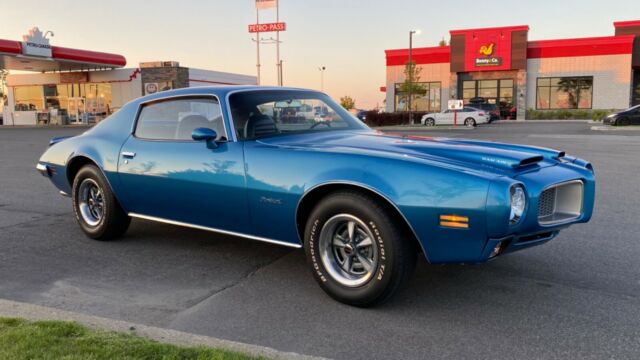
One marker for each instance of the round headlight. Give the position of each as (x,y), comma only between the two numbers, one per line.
(518,203)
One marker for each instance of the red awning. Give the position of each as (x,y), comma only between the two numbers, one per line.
(62,59)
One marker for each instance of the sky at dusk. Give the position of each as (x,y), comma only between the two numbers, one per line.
(347,37)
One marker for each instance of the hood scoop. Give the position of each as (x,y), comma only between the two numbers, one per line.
(530,161)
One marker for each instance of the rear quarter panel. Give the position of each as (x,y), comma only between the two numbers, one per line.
(101,145)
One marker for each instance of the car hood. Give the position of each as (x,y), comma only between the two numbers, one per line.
(472,154)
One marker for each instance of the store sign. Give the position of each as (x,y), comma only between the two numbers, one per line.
(488,50)
(35,44)
(74,77)
(487,58)
(150,88)
(270,27)
(266,4)
(455,105)
(154,87)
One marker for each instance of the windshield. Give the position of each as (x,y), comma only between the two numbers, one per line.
(263,113)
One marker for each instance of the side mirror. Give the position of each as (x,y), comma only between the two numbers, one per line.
(205,134)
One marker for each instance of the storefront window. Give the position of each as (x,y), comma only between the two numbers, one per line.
(74,102)
(29,98)
(425,96)
(564,93)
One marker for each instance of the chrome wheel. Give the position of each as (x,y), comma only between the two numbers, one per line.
(90,202)
(470,122)
(348,250)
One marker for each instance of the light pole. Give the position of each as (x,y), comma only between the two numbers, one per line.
(322,69)
(411,70)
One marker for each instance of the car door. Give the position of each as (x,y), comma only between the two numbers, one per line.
(635,118)
(168,175)
(445,118)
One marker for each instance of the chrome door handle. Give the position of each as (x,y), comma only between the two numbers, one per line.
(128,154)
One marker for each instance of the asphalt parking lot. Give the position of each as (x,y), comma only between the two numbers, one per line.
(575,297)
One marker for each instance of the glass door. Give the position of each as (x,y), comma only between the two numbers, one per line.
(76,110)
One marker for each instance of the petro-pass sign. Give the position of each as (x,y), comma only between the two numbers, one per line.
(35,44)
(270,27)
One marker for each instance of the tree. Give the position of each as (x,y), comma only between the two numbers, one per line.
(3,79)
(570,87)
(411,85)
(347,102)
(442,42)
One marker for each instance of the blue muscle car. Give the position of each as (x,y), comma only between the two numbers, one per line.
(259,163)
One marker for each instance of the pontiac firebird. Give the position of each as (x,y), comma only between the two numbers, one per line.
(291,167)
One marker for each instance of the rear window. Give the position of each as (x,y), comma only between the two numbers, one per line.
(176,119)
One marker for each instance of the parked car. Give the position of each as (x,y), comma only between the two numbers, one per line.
(362,204)
(630,116)
(362,115)
(492,109)
(468,116)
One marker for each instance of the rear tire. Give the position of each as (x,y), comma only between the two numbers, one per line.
(358,252)
(470,122)
(97,210)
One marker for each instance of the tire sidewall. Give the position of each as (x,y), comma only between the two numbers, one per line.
(93,173)
(384,241)
(470,122)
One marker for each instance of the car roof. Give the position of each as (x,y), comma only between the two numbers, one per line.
(219,91)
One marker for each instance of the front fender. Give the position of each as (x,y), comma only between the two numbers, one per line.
(278,178)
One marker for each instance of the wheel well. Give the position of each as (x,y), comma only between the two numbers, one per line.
(313,197)
(75,165)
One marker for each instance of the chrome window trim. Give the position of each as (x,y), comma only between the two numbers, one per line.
(170,98)
(565,221)
(211,229)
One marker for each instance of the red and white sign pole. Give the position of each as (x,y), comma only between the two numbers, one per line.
(276,27)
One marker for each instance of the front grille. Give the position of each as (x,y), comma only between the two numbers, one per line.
(560,203)
(547,202)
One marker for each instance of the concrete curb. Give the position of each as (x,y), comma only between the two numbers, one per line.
(615,128)
(80,126)
(540,121)
(422,128)
(32,312)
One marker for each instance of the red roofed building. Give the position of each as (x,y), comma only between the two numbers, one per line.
(70,86)
(501,66)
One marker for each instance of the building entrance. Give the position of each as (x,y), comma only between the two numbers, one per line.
(495,91)
(636,88)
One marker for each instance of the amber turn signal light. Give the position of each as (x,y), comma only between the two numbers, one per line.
(454,221)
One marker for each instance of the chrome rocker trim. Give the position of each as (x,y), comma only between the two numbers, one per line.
(179,223)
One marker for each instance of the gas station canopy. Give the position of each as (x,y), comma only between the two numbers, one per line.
(35,53)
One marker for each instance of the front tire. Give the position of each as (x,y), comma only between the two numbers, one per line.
(430,122)
(623,121)
(96,209)
(358,252)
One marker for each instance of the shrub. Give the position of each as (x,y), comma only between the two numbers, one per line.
(374,118)
(580,114)
(564,114)
(598,115)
